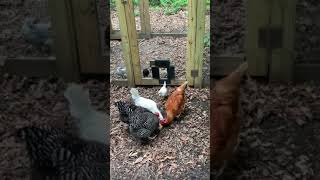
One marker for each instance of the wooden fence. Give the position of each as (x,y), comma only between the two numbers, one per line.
(128,32)
(269,43)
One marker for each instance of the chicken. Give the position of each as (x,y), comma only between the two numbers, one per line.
(225,118)
(142,123)
(55,154)
(145,72)
(122,72)
(175,104)
(163,90)
(37,34)
(144,102)
(92,124)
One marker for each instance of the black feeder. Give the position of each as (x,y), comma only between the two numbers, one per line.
(159,63)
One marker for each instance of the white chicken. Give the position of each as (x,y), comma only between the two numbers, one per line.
(93,125)
(163,91)
(144,102)
(122,72)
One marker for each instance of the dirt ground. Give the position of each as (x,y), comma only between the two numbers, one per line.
(180,151)
(33,101)
(280,134)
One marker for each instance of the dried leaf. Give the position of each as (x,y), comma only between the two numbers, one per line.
(138,160)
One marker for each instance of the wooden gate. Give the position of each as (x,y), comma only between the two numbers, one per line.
(129,35)
(270,38)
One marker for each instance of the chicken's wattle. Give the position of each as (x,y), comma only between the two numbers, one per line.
(164,122)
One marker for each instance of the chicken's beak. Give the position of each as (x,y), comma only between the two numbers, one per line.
(160,126)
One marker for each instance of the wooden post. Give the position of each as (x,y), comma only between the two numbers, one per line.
(195,45)
(111,28)
(273,61)
(283,14)
(129,41)
(256,18)
(88,37)
(145,18)
(64,40)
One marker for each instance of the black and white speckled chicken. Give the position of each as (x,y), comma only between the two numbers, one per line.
(142,123)
(55,154)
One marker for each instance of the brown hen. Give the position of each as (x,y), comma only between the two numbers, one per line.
(225,117)
(175,104)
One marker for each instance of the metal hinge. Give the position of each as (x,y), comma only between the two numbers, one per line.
(194,73)
(270,37)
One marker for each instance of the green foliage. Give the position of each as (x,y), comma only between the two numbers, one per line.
(173,6)
(136,2)
(170,6)
(154,2)
(206,40)
(113,3)
(136,14)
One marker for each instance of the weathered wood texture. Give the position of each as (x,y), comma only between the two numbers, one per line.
(195,45)
(65,41)
(88,37)
(145,18)
(276,63)
(129,41)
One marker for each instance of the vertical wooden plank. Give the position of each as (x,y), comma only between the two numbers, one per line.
(191,37)
(201,7)
(65,39)
(129,41)
(88,37)
(195,41)
(111,28)
(145,18)
(282,64)
(257,17)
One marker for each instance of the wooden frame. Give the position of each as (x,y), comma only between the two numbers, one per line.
(129,41)
(65,41)
(33,66)
(125,11)
(145,18)
(115,35)
(85,19)
(75,52)
(277,64)
(145,32)
(195,45)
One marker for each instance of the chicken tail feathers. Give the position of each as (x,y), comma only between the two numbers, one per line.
(235,77)
(242,68)
(124,110)
(134,92)
(183,86)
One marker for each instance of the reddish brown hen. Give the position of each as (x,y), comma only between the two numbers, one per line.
(225,117)
(175,104)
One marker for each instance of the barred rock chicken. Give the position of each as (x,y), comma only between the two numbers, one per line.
(55,154)
(144,102)
(93,125)
(175,104)
(225,118)
(142,123)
